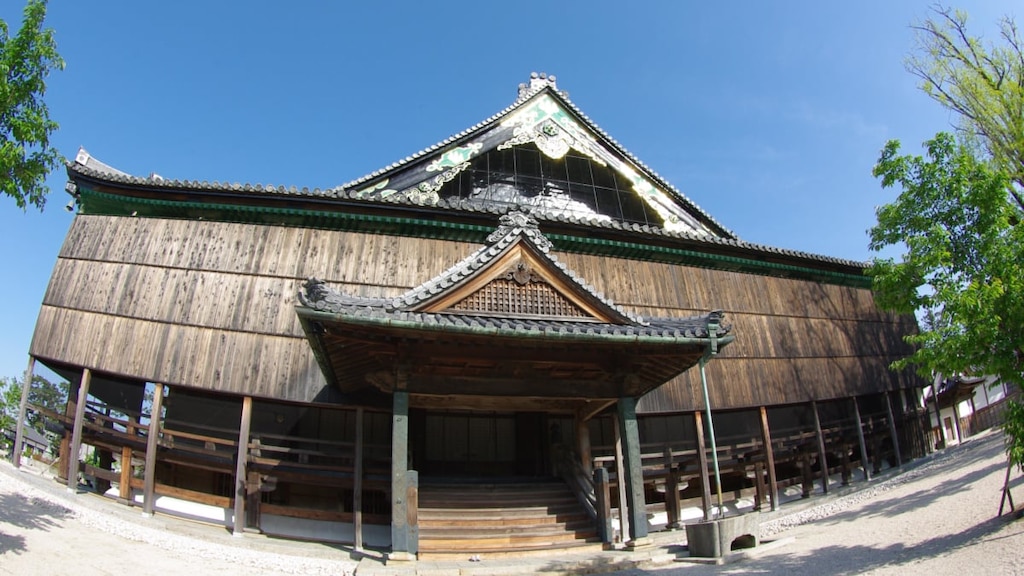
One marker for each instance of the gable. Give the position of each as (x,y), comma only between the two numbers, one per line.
(542,155)
(521,284)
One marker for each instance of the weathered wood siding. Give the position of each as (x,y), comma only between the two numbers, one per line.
(795,340)
(211,305)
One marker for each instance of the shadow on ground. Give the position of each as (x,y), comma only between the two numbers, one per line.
(26,513)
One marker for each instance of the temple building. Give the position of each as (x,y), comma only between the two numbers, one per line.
(506,342)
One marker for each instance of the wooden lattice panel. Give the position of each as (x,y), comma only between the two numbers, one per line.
(504,297)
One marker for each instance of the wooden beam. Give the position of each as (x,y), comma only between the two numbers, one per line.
(822,457)
(155,423)
(357,483)
(860,440)
(591,408)
(702,464)
(241,460)
(634,469)
(496,403)
(19,434)
(769,452)
(76,435)
(892,431)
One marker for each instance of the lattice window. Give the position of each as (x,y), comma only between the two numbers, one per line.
(506,297)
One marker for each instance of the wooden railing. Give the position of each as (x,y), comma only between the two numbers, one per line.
(570,468)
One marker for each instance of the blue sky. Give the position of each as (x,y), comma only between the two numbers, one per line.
(768,115)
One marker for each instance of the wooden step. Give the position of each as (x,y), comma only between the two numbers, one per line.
(475,519)
(577,547)
(447,518)
(578,526)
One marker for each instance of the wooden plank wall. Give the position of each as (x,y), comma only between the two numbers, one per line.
(211,305)
(795,340)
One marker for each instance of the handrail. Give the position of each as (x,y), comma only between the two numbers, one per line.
(581,484)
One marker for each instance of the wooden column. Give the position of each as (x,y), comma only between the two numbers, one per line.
(672,502)
(125,483)
(892,430)
(155,424)
(583,445)
(910,399)
(399,479)
(620,478)
(634,469)
(956,421)
(19,433)
(860,440)
(769,454)
(241,460)
(76,435)
(822,457)
(702,465)
(938,418)
(604,509)
(357,483)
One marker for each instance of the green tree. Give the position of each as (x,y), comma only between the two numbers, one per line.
(43,392)
(960,215)
(26,155)
(983,85)
(962,268)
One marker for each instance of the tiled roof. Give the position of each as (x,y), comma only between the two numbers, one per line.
(515,226)
(86,165)
(464,205)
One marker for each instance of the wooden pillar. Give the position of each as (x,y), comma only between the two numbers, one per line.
(702,465)
(19,433)
(620,478)
(910,399)
(241,460)
(860,440)
(769,453)
(634,469)
(155,424)
(76,435)
(125,484)
(583,445)
(672,501)
(956,421)
(399,479)
(892,430)
(357,483)
(604,508)
(938,418)
(822,457)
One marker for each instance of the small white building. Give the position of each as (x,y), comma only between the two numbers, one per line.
(966,406)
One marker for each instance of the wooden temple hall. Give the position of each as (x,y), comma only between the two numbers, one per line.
(505,342)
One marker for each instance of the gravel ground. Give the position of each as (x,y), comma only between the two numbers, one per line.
(936,518)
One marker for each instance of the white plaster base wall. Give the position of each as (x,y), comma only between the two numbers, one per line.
(374,535)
